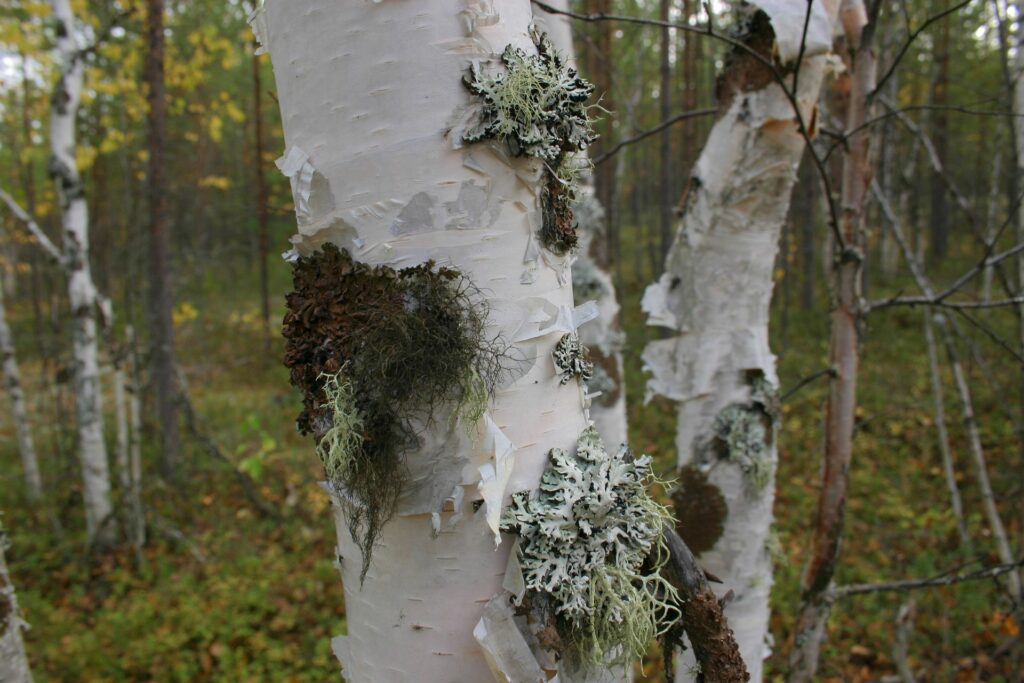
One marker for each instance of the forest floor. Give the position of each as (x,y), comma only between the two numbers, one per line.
(225,595)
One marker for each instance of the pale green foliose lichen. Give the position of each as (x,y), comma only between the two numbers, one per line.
(590,549)
(571,359)
(743,438)
(589,213)
(537,106)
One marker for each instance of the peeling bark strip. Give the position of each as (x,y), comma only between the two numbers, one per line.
(716,292)
(13,660)
(363,146)
(92,449)
(844,353)
(12,380)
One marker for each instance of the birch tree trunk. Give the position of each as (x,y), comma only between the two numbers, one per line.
(81,291)
(12,380)
(716,292)
(369,93)
(844,353)
(137,532)
(13,660)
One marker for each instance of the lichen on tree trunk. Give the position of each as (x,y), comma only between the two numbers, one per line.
(716,291)
(370,94)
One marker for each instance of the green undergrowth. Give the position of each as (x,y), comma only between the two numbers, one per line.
(233,597)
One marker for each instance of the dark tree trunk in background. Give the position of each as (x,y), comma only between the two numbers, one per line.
(940,131)
(599,71)
(161,298)
(809,184)
(665,187)
(691,59)
(262,200)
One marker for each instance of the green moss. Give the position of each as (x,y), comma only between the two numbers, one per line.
(376,352)
(591,549)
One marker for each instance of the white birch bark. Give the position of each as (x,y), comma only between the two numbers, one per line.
(370,91)
(13,660)
(604,336)
(92,449)
(716,291)
(12,381)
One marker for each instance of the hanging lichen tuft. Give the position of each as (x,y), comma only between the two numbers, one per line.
(538,107)
(571,359)
(743,433)
(375,351)
(590,550)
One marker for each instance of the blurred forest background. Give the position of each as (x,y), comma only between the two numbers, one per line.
(235,579)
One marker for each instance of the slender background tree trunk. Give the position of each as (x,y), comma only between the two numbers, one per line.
(81,289)
(13,660)
(844,352)
(22,427)
(165,389)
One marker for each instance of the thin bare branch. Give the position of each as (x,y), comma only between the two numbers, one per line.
(940,301)
(826,372)
(37,233)
(948,579)
(910,40)
(651,131)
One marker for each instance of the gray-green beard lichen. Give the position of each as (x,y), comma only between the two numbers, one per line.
(590,550)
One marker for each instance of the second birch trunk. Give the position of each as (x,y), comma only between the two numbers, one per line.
(716,292)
